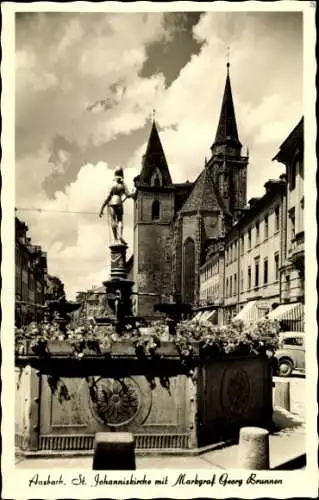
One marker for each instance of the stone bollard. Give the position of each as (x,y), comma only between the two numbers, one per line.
(253,450)
(114,451)
(282,394)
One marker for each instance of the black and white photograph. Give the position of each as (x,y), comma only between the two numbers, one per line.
(158,287)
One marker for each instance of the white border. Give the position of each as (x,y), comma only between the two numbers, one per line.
(297,483)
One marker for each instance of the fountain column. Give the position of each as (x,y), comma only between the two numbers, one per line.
(118,287)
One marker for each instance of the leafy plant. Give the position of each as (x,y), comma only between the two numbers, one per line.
(211,340)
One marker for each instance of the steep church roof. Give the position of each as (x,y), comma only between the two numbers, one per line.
(154,160)
(227,128)
(204,196)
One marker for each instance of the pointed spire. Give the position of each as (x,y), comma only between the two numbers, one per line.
(227,127)
(154,159)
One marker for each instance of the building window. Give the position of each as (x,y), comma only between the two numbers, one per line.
(235,284)
(266,227)
(256,272)
(265,271)
(276,259)
(249,239)
(277,219)
(257,232)
(231,286)
(241,280)
(155,210)
(242,245)
(249,278)
(293,174)
(156,179)
(227,287)
(288,283)
(292,219)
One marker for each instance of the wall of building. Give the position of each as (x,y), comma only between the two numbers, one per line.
(254,250)
(292,275)
(210,281)
(30,276)
(152,269)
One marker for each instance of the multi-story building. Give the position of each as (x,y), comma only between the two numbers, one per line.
(291,310)
(212,284)
(252,256)
(261,264)
(242,274)
(30,276)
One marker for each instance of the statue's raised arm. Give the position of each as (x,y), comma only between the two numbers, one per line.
(114,201)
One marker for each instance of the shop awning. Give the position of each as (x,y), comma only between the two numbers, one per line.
(197,316)
(205,315)
(211,316)
(251,313)
(288,312)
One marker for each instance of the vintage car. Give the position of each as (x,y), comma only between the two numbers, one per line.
(290,355)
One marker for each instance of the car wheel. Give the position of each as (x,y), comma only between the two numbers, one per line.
(285,367)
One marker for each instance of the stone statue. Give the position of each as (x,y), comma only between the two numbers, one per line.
(114,201)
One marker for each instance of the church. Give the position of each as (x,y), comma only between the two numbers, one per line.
(176,224)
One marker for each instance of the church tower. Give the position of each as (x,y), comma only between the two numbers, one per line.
(228,165)
(153,214)
(217,198)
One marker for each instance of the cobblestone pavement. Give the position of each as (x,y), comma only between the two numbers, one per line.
(297,394)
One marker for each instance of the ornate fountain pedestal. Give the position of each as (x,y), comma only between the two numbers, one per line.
(118,287)
(59,310)
(118,261)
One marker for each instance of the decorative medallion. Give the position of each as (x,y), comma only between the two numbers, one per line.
(118,402)
(236,391)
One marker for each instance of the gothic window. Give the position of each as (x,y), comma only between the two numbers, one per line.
(155,210)
(156,179)
(188,270)
(223,185)
(225,193)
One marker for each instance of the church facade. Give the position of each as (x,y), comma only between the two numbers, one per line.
(176,224)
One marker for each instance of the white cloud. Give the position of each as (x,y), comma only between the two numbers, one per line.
(65,65)
(78,60)
(266,78)
(86,257)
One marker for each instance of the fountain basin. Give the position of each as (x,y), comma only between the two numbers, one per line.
(189,413)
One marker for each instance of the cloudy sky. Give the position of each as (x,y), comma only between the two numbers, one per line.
(86,85)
